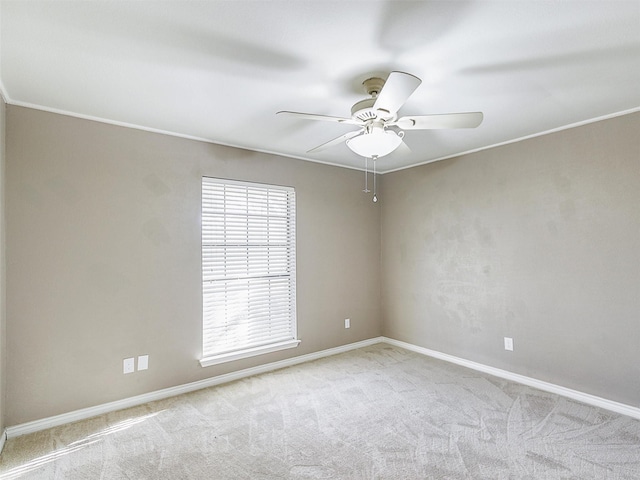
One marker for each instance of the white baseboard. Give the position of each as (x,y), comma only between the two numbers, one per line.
(3,438)
(82,414)
(85,413)
(531,382)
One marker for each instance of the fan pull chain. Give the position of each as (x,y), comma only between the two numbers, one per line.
(366,175)
(375,197)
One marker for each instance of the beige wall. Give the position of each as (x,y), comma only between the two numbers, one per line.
(103,259)
(536,240)
(539,241)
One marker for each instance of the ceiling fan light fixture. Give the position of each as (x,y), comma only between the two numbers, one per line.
(376,143)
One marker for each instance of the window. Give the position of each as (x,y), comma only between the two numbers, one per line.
(248,270)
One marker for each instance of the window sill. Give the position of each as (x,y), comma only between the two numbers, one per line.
(249,352)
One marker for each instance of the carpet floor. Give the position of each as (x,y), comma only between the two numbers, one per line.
(379,412)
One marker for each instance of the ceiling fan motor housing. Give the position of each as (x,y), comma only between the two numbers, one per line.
(363,110)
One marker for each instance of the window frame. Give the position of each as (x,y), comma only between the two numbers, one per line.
(246,351)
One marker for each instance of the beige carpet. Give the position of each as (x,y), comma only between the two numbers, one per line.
(375,413)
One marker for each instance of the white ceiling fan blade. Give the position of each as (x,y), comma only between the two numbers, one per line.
(326,118)
(444,120)
(335,141)
(396,90)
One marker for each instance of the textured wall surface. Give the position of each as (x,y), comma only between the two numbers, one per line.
(103,259)
(536,240)
(539,241)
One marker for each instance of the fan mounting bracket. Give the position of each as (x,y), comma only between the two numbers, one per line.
(373,85)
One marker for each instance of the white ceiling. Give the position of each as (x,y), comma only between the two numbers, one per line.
(220,70)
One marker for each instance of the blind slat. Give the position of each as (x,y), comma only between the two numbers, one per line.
(248,265)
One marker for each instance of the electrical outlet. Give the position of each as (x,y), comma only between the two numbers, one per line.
(129,365)
(347,323)
(508,343)
(143,362)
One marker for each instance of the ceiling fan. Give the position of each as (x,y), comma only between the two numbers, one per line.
(378,119)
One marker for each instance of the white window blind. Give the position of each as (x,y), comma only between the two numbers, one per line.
(248,269)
